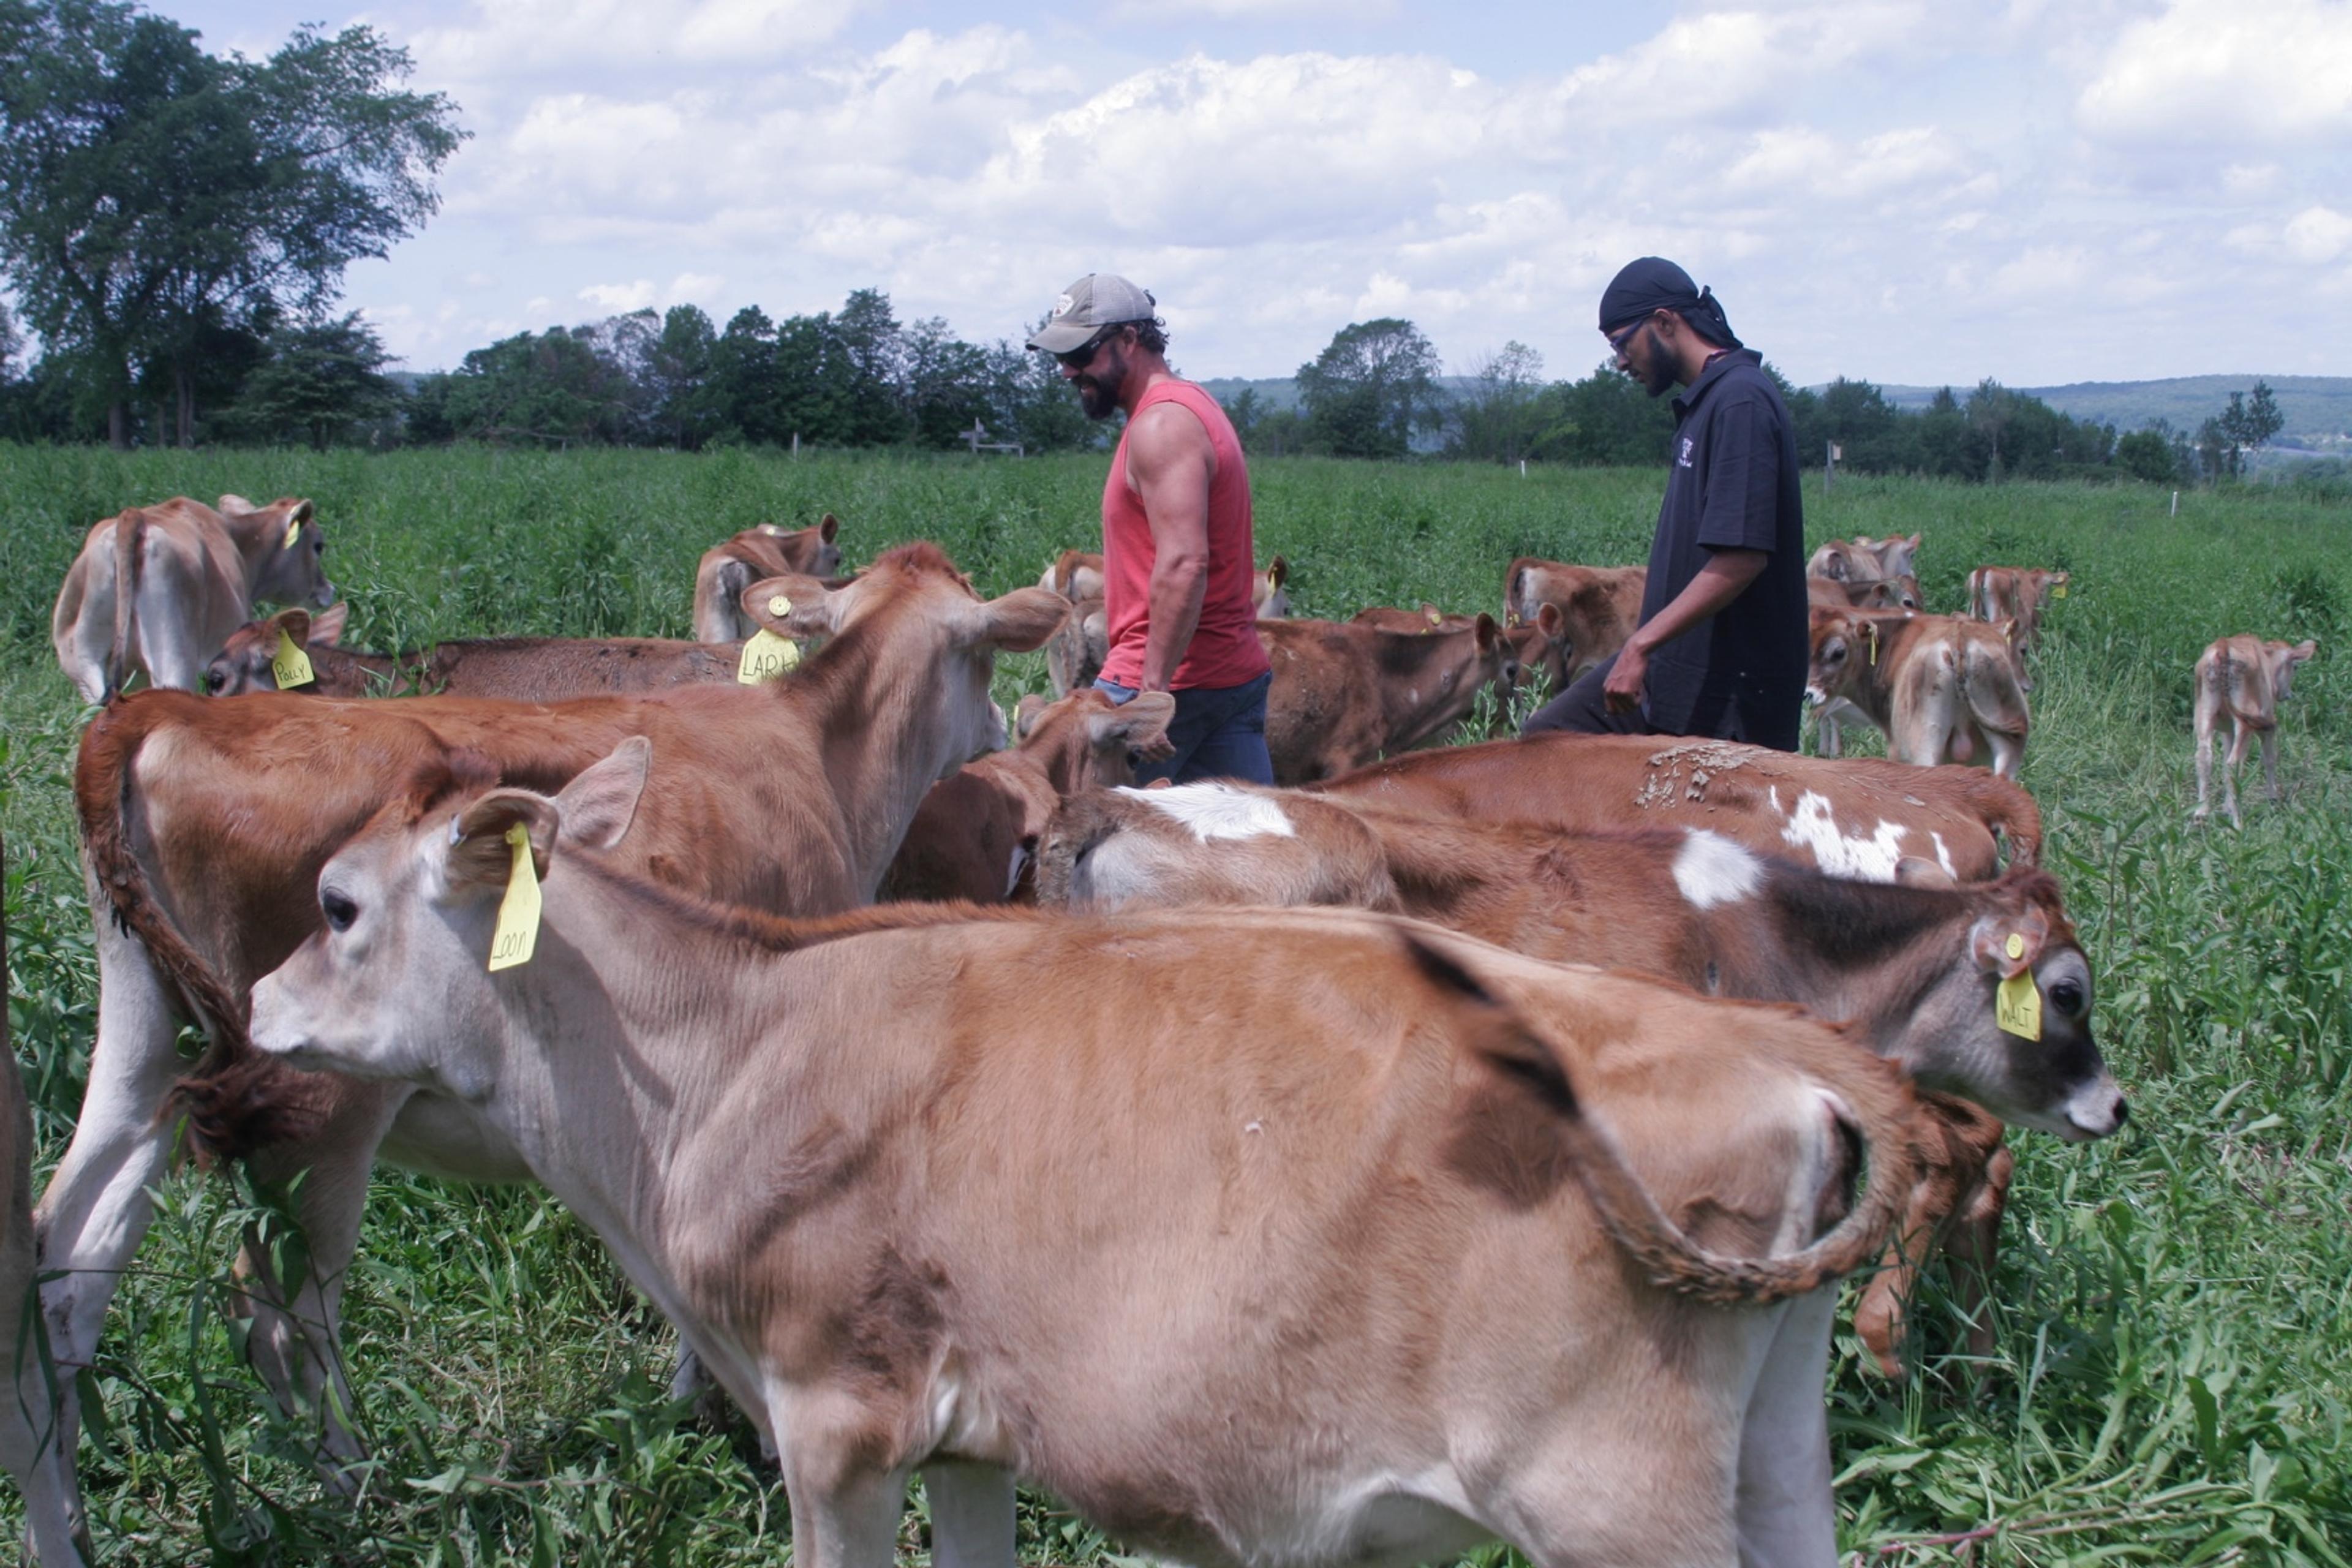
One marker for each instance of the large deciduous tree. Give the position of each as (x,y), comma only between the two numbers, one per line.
(1370,389)
(151,192)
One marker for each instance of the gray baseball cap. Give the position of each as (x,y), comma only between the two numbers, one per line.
(1099,299)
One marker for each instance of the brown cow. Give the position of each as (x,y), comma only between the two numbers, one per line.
(518,669)
(205,822)
(1415,1244)
(1343,695)
(1944,688)
(1998,594)
(1531,650)
(729,568)
(1075,654)
(1863,593)
(975,835)
(1864,559)
(2240,681)
(1077,576)
(158,589)
(1600,605)
(1862,817)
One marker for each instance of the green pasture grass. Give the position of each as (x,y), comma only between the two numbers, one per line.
(2174,1305)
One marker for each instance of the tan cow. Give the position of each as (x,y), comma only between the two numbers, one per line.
(1270,595)
(1944,688)
(518,669)
(2240,681)
(1538,649)
(1864,559)
(1411,1244)
(205,822)
(730,567)
(2017,594)
(1863,817)
(159,589)
(1077,576)
(31,1444)
(1343,695)
(975,835)
(1600,606)
(1075,654)
(1865,593)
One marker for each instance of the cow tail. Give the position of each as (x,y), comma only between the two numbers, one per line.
(2004,807)
(1871,1105)
(2230,673)
(1080,823)
(130,551)
(1977,605)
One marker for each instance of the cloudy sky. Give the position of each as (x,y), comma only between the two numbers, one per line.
(1911,191)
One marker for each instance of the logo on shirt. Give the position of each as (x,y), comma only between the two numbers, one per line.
(1683,461)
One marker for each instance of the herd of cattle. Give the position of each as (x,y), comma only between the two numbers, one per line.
(1501,1193)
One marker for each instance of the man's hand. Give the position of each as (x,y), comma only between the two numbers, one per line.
(1623,690)
(1723,578)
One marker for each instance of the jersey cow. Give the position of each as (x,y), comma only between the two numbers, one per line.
(1344,694)
(1417,1244)
(2240,681)
(204,823)
(1863,817)
(1599,606)
(2017,595)
(158,589)
(1944,688)
(729,568)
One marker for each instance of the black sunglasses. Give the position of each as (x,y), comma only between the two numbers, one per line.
(1084,353)
(1618,340)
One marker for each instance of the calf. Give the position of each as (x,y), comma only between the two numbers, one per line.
(1599,605)
(1945,689)
(1269,594)
(1343,695)
(1862,817)
(1532,649)
(518,669)
(1077,576)
(2015,594)
(204,823)
(1865,558)
(1415,1244)
(727,569)
(1075,654)
(975,835)
(159,589)
(1915,969)
(1863,593)
(2240,681)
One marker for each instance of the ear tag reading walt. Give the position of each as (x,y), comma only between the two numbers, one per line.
(293,531)
(518,929)
(2017,1004)
(289,664)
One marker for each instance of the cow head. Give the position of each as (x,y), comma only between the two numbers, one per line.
(1430,679)
(1843,643)
(1075,655)
(294,564)
(2281,658)
(1272,599)
(395,984)
(244,662)
(811,552)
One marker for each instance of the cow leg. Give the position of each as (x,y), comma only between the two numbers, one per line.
(1830,735)
(2008,752)
(845,1513)
(972,1515)
(296,1337)
(1973,1243)
(1619,1499)
(2241,737)
(1786,1515)
(2204,765)
(167,641)
(2268,741)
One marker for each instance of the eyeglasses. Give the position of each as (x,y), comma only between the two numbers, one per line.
(1084,354)
(1617,340)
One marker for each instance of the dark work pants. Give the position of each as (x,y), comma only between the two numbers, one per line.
(1219,732)
(1584,709)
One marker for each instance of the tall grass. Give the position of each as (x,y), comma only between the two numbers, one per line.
(2174,1305)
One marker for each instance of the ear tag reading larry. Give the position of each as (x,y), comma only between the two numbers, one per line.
(766,657)
(293,531)
(518,929)
(289,664)
(2017,1004)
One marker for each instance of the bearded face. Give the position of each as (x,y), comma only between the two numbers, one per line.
(1098,383)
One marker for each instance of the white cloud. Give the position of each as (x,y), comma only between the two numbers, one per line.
(2271,72)
(509,38)
(619,299)
(2318,235)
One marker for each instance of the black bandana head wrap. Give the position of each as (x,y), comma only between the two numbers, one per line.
(1654,283)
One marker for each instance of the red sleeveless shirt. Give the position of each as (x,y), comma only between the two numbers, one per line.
(1225,649)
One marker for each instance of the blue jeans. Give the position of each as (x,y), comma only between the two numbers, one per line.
(1219,732)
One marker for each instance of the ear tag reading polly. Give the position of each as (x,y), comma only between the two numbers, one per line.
(289,664)
(518,929)
(766,657)
(293,531)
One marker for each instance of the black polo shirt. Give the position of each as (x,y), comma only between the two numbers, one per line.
(1733,485)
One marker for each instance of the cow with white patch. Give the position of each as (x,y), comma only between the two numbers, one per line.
(1343,695)
(2240,682)
(975,835)
(1415,1243)
(158,589)
(1944,688)
(1862,817)
(2016,594)
(1917,970)
(732,565)
(1599,607)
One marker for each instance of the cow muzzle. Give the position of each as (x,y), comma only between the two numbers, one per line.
(2096,1111)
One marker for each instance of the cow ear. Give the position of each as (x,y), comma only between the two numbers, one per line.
(597,806)
(1141,721)
(1992,939)
(235,503)
(326,625)
(1027,711)
(1551,622)
(2307,649)
(828,527)
(1021,620)
(792,605)
(479,857)
(300,512)
(294,623)
(1278,571)
(1486,632)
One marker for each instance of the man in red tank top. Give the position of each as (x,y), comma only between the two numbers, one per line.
(1179,563)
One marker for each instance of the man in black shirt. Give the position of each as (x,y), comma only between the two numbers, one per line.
(1722,643)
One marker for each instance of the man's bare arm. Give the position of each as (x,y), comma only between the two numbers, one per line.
(1726,576)
(1170,464)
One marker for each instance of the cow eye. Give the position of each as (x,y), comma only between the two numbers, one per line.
(339,909)
(2067,997)
(215,680)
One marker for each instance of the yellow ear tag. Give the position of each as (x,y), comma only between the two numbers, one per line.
(293,531)
(518,929)
(766,657)
(2015,946)
(1435,619)
(2017,1005)
(289,664)
(2058,590)
(1873,627)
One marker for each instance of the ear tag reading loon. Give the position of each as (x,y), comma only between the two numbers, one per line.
(2017,1004)
(289,665)
(766,657)
(293,531)
(518,929)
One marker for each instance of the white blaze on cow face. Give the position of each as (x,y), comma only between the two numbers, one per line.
(1219,810)
(1711,870)
(1812,827)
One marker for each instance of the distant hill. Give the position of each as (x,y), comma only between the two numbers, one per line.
(2317,408)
